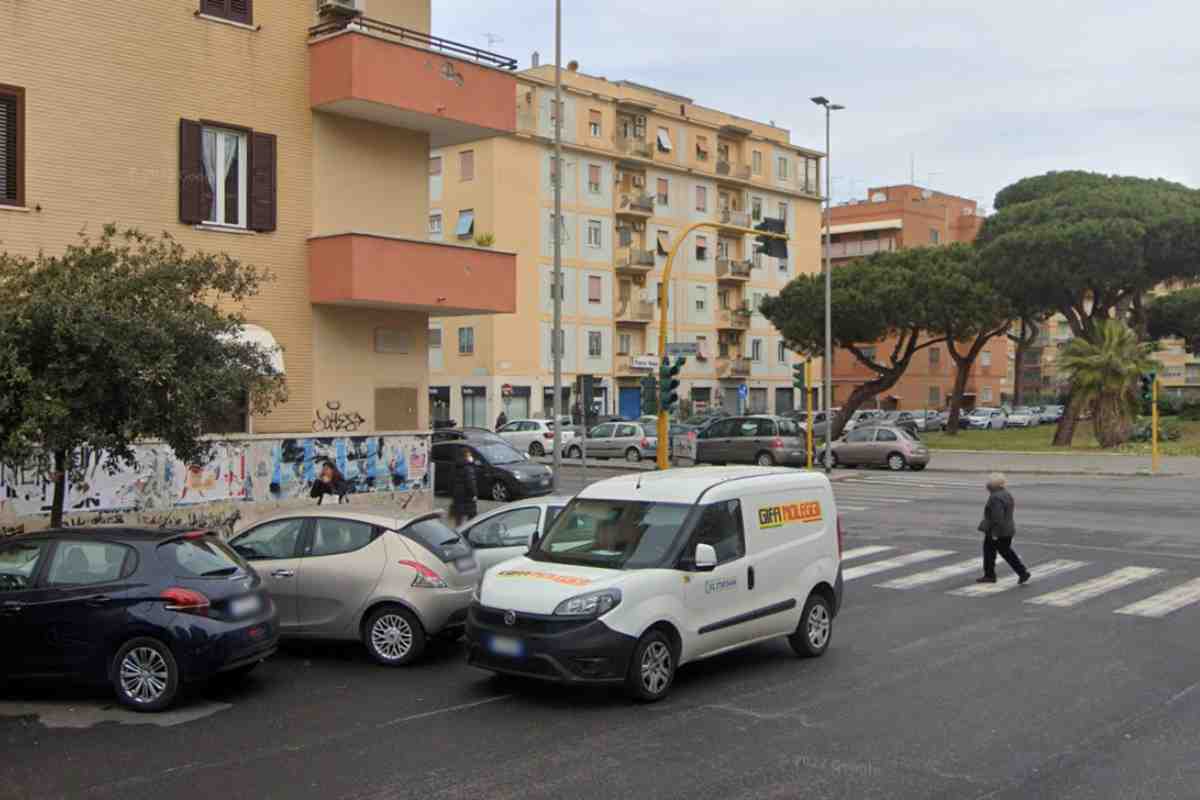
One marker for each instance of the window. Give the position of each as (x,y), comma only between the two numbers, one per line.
(884,435)
(985,358)
(18,563)
(935,396)
(435,165)
(812,183)
(272,540)
(466,224)
(595,285)
(720,527)
(435,223)
(664,192)
(723,248)
(333,536)
(701,347)
(12,146)
(987,394)
(723,152)
(595,344)
(224,169)
(783,266)
(664,140)
(701,298)
(593,233)
(702,148)
(701,198)
(701,248)
(594,178)
(756,162)
(860,435)
(935,236)
(781,353)
(783,213)
(466,165)
(664,242)
(466,341)
(935,357)
(624,344)
(202,557)
(618,534)
(594,127)
(756,349)
(232,10)
(782,167)
(756,208)
(435,338)
(723,299)
(510,529)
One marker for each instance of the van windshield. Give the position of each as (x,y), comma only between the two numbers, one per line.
(618,534)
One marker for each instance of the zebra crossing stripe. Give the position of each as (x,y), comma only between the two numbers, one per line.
(851,508)
(934,575)
(1081,592)
(1043,570)
(1163,603)
(894,563)
(860,552)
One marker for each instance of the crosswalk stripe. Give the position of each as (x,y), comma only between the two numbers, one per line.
(868,496)
(851,508)
(860,552)
(934,575)
(918,481)
(894,563)
(1043,570)
(1080,592)
(1163,603)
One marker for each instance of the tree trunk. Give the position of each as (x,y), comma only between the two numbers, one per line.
(962,373)
(861,394)
(60,488)
(1018,378)
(1110,423)
(1065,434)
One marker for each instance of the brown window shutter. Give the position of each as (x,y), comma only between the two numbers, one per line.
(263,194)
(193,186)
(216,8)
(241,10)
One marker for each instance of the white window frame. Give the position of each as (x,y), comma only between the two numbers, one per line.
(987,394)
(595,233)
(756,350)
(594,186)
(781,166)
(702,199)
(221,136)
(435,222)
(985,359)
(595,127)
(597,338)
(664,140)
(781,353)
(701,298)
(469,340)
(595,280)
(624,343)
(435,341)
(756,161)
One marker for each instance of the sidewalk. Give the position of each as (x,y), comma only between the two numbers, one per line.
(1057,463)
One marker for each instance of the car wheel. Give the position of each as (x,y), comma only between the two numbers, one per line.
(652,668)
(896,462)
(632,455)
(536,450)
(394,636)
(500,492)
(145,675)
(812,635)
(574,452)
(764,459)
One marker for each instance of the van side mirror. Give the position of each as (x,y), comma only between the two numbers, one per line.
(705,558)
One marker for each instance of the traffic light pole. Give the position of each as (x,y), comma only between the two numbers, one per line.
(808,434)
(664,303)
(1154,427)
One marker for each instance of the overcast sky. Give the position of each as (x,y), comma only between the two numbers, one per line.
(981,94)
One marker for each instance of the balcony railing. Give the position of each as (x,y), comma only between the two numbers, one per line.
(635,260)
(740,219)
(739,171)
(729,269)
(733,367)
(635,311)
(635,203)
(862,247)
(409,36)
(635,147)
(734,319)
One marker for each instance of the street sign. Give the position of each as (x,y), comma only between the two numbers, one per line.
(506,390)
(743,391)
(683,348)
(644,362)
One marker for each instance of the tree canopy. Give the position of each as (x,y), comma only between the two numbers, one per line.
(1176,316)
(124,337)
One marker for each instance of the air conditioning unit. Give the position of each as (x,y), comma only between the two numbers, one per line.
(340,8)
(639,180)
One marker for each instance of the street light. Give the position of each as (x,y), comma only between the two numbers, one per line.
(827,382)
(556,336)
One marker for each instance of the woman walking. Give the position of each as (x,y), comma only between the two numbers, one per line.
(465,489)
(998,529)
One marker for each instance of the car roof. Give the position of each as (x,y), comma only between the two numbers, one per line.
(129,533)
(341,512)
(529,502)
(688,485)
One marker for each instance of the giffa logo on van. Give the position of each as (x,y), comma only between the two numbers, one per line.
(778,516)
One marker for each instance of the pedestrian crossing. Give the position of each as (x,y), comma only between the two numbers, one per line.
(1047,583)
(890,490)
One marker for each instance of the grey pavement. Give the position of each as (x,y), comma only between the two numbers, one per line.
(1082,684)
(1059,463)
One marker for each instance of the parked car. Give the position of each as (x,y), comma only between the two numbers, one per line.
(441,424)
(898,419)
(1022,417)
(820,422)
(628,440)
(762,440)
(143,610)
(880,445)
(985,419)
(1052,415)
(481,435)
(533,436)
(389,583)
(503,473)
(861,416)
(506,532)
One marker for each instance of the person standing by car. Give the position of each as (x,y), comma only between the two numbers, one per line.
(501,420)
(465,489)
(331,484)
(998,529)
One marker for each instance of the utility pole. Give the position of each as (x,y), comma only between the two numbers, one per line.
(827,382)
(556,335)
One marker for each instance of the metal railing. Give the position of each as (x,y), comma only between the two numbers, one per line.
(639,202)
(637,147)
(737,319)
(636,311)
(740,219)
(734,366)
(407,35)
(730,268)
(635,257)
(861,247)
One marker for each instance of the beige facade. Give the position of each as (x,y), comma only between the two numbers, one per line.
(639,166)
(102,141)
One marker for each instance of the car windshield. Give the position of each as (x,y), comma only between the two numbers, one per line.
(905,433)
(203,557)
(618,534)
(499,453)
(1022,410)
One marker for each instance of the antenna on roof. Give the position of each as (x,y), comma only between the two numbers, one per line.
(493,39)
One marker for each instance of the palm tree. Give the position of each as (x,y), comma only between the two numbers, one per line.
(1104,372)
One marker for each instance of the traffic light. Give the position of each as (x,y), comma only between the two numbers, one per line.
(668,383)
(1147,382)
(769,245)
(649,395)
(799,377)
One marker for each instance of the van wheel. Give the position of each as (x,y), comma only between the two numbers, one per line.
(896,462)
(574,452)
(764,459)
(812,636)
(394,636)
(536,450)
(632,455)
(145,675)
(652,668)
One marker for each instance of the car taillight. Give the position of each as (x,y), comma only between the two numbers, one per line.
(186,601)
(645,443)
(840,535)
(548,435)
(425,577)
(194,535)
(777,444)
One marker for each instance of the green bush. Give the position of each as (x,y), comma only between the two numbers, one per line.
(1190,412)
(1168,431)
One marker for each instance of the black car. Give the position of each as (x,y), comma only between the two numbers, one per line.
(467,434)
(503,473)
(144,610)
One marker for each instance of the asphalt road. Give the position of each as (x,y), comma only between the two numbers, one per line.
(926,692)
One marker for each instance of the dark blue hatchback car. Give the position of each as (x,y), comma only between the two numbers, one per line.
(144,610)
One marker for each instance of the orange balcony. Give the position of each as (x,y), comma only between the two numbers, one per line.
(736,367)
(359,67)
(393,272)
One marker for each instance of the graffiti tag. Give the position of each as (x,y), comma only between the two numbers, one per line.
(337,421)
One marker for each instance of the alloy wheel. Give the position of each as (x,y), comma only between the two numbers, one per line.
(536,450)
(656,667)
(500,492)
(144,675)
(818,626)
(392,636)
(896,462)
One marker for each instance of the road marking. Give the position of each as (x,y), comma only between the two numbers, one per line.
(1081,592)
(1163,603)
(869,496)
(934,575)
(851,508)
(923,482)
(894,563)
(1043,570)
(860,552)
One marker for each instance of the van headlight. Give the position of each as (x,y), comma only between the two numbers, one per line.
(590,605)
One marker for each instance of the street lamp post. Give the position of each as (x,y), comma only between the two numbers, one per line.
(827,381)
(556,334)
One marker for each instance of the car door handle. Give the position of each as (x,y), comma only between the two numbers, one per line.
(750,578)
(97,600)
(284,573)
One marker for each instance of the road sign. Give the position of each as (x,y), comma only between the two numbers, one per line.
(683,348)
(743,391)
(506,390)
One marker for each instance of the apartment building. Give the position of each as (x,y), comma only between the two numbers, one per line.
(639,166)
(894,218)
(288,137)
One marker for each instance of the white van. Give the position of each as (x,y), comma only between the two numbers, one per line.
(642,573)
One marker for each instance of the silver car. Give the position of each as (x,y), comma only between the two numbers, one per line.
(628,440)
(505,532)
(533,436)
(339,574)
(763,440)
(879,445)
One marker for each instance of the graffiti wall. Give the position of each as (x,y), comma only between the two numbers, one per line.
(244,475)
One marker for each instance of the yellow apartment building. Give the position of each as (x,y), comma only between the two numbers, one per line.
(290,134)
(639,166)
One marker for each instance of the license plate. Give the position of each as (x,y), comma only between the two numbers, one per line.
(504,646)
(245,606)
